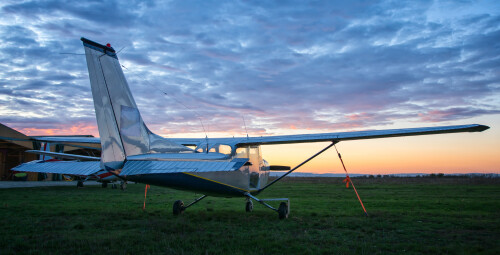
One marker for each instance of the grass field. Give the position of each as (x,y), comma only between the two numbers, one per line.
(406,215)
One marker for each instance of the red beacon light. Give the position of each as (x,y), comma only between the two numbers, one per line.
(109,45)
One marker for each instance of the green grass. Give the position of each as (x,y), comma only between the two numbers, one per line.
(424,216)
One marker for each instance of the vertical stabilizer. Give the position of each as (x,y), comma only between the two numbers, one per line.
(121,128)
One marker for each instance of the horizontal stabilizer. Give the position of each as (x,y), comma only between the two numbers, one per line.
(63,155)
(135,167)
(60,167)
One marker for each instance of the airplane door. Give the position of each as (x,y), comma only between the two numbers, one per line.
(252,169)
(255,159)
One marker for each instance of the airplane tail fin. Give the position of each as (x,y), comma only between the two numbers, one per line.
(121,128)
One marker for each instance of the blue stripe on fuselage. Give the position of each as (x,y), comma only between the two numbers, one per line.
(189,182)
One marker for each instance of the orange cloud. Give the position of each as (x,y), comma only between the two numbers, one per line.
(76,129)
(360,116)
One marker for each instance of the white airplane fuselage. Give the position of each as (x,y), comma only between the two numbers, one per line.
(250,177)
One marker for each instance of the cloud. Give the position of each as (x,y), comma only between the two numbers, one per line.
(319,66)
(454,114)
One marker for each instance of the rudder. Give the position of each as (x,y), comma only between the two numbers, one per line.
(121,128)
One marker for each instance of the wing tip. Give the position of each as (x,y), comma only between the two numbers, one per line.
(480,128)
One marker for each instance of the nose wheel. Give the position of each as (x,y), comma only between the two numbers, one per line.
(283,210)
(123,185)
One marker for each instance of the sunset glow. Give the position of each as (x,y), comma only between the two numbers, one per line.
(238,68)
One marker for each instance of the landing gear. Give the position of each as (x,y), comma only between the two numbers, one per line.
(104,185)
(113,186)
(79,184)
(249,205)
(283,210)
(123,185)
(178,207)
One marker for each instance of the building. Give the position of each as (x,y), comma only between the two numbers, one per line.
(13,147)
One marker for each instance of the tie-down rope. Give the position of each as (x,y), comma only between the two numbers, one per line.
(145,193)
(348,179)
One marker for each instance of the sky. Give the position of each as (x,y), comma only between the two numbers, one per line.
(228,68)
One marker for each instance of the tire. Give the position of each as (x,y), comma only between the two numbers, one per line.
(178,207)
(283,210)
(104,185)
(79,184)
(249,206)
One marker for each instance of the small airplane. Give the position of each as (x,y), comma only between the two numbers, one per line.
(225,167)
(42,145)
(93,171)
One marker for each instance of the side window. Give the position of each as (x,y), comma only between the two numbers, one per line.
(201,148)
(241,153)
(191,147)
(225,149)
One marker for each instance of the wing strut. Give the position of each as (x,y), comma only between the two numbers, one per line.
(348,179)
(295,168)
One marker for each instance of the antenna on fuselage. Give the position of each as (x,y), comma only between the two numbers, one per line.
(245,124)
(69,53)
(196,113)
(206,136)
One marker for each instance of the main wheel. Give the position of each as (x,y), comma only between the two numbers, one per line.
(79,184)
(113,186)
(249,206)
(123,186)
(178,207)
(104,184)
(283,210)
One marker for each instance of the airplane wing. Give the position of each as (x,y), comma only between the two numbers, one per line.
(63,155)
(60,167)
(339,136)
(74,141)
(133,167)
(68,139)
